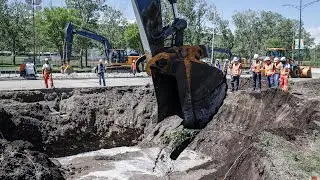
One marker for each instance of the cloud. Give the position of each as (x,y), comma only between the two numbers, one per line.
(315,33)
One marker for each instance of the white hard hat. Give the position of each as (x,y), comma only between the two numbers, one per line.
(267,59)
(283,59)
(235,59)
(256,56)
(276,59)
(227,59)
(46,59)
(100,61)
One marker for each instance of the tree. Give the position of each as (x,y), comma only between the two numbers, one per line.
(89,12)
(113,26)
(16,26)
(274,43)
(51,24)
(132,37)
(256,31)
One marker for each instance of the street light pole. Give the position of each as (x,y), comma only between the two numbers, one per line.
(300,29)
(34,33)
(300,8)
(214,22)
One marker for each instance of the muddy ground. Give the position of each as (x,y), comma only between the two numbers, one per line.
(273,135)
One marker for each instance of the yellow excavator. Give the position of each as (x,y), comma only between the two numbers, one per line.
(296,70)
(184,85)
(118,59)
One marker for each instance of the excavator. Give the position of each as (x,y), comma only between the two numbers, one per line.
(117,59)
(296,70)
(184,85)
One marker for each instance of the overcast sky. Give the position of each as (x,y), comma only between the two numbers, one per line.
(310,15)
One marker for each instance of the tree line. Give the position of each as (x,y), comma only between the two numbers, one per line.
(253,33)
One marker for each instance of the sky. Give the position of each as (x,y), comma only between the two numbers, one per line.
(310,15)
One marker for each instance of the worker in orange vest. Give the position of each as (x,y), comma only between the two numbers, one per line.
(268,70)
(134,67)
(256,70)
(276,73)
(47,73)
(235,73)
(284,75)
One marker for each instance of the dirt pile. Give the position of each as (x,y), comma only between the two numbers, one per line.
(19,161)
(269,136)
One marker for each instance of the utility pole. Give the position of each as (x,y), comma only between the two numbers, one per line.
(34,4)
(34,33)
(300,8)
(293,37)
(214,22)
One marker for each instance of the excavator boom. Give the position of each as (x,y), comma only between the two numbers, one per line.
(183,84)
(71,30)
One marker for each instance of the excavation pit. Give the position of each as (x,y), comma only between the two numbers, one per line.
(73,131)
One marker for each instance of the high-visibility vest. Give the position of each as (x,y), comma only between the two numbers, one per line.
(268,69)
(256,67)
(284,71)
(278,68)
(236,69)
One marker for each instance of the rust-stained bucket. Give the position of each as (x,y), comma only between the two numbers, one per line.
(187,87)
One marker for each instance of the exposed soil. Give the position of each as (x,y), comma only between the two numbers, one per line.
(19,161)
(273,135)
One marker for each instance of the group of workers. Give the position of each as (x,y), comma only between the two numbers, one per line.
(47,71)
(276,73)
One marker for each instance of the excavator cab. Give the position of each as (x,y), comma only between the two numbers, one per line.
(276,52)
(184,85)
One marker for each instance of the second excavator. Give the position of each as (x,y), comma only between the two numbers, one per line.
(184,85)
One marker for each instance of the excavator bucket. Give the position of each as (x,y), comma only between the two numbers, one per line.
(184,85)
(187,87)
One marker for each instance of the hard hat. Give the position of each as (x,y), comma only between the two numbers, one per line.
(227,60)
(267,59)
(235,59)
(100,61)
(46,59)
(256,56)
(283,59)
(276,59)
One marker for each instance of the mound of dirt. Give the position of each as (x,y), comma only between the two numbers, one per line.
(19,161)
(274,135)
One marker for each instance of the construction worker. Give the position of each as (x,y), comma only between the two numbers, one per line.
(276,74)
(225,67)
(235,73)
(100,71)
(47,73)
(256,72)
(269,69)
(284,75)
(134,67)
(217,65)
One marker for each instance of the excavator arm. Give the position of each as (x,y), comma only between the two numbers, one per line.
(184,85)
(71,30)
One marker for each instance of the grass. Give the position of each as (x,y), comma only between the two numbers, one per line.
(178,136)
(6,64)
